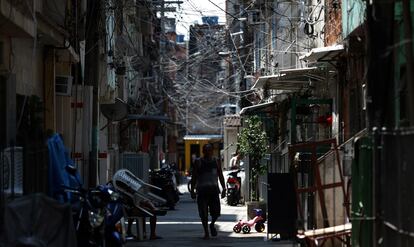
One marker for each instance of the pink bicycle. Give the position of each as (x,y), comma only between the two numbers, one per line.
(245,226)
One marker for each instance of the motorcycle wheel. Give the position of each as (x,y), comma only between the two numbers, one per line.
(237,228)
(230,200)
(246,229)
(260,227)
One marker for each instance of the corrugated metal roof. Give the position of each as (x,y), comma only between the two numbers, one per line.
(323,54)
(255,107)
(202,137)
(290,79)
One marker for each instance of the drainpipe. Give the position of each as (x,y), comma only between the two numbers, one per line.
(92,78)
(408,34)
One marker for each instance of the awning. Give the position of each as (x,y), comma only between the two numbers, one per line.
(323,54)
(255,108)
(202,137)
(231,120)
(290,79)
(147,117)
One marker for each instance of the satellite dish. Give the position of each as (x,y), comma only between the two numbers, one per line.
(116,111)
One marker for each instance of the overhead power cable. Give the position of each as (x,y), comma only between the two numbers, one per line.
(234,17)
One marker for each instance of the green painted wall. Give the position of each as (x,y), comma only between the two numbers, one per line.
(353,15)
(400,62)
(361,208)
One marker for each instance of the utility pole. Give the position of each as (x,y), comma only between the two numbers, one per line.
(162,43)
(163,40)
(92,79)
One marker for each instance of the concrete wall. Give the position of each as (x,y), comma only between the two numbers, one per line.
(334,198)
(54,10)
(26,61)
(289,40)
(230,145)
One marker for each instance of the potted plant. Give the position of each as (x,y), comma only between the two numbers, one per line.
(252,142)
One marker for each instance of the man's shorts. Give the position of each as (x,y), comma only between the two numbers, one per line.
(208,200)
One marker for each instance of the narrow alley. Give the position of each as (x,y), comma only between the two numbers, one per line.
(299,114)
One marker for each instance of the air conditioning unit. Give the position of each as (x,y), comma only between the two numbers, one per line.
(11,160)
(63,85)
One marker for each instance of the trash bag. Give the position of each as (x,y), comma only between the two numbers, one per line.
(38,221)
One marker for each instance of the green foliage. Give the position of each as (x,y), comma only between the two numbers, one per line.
(252,141)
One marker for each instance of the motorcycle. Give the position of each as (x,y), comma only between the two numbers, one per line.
(233,185)
(97,214)
(164,179)
(115,234)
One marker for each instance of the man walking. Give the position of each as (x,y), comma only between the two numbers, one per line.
(206,172)
(235,161)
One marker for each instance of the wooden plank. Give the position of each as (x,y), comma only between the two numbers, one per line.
(338,162)
(11,119)
(327,231)
(63,108)
(3,114)
(49,90)
(321,194)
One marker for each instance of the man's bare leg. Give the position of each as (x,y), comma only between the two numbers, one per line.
(153,225)
(212,227)
(205,226)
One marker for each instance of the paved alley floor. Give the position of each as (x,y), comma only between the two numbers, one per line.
(182,228)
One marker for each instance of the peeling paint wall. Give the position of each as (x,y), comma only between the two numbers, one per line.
(353,15)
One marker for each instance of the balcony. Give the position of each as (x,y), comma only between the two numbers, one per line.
(28,18)
(17,18)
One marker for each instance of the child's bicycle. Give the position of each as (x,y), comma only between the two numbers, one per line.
(245,226)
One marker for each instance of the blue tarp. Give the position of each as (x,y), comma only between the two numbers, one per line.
(58,160)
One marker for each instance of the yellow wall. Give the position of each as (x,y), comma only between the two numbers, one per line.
(188,143)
